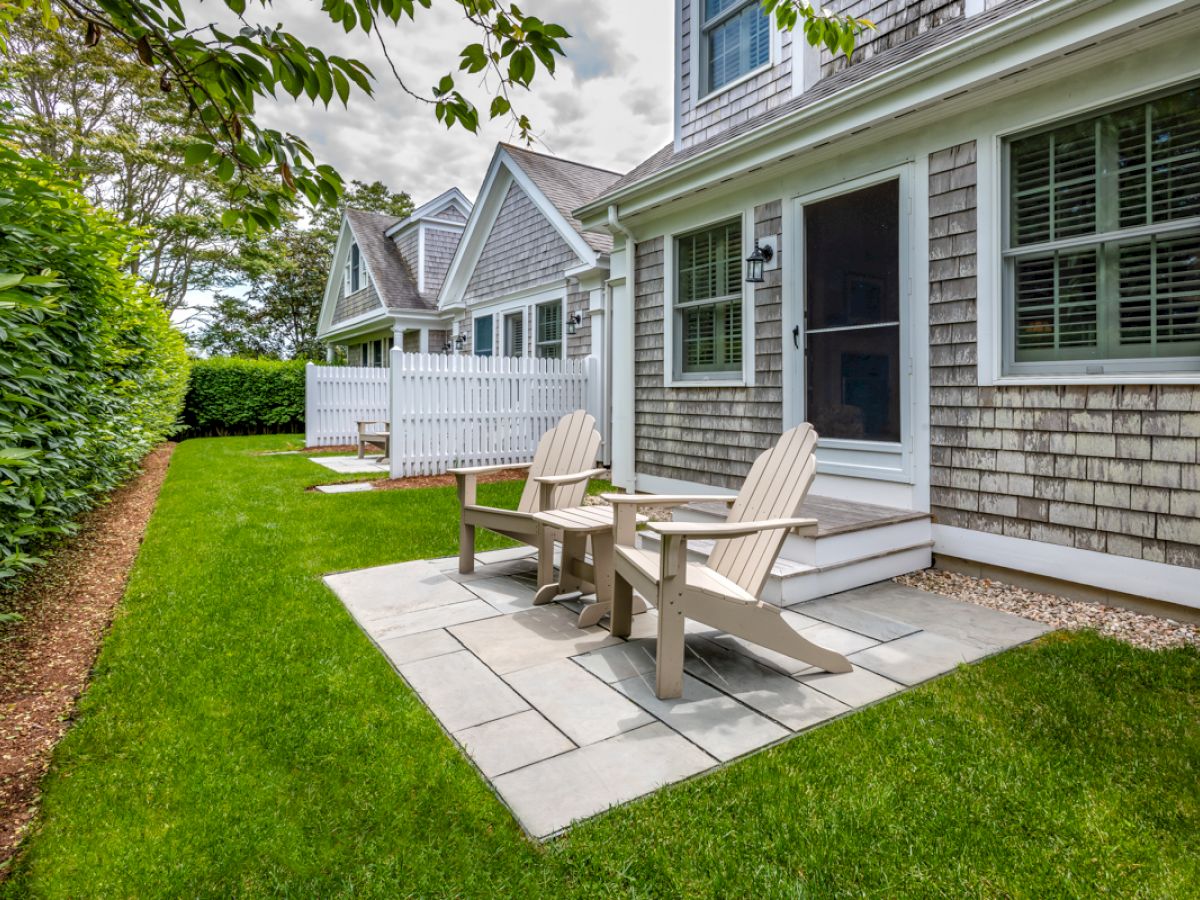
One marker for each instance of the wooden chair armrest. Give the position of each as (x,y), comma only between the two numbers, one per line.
(729,529)
(573,478)
(484,470)
(666,499)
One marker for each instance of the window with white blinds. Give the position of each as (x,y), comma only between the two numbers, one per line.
(549,330)
(708,300)
(736,40)
(1102,252)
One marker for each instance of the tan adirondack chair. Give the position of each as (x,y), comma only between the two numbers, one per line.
(558,479)
(724,592)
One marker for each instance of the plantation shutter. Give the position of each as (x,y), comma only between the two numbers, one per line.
(1130,182)
(709,299)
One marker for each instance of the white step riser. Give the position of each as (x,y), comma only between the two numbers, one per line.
(835,549)
(821,583)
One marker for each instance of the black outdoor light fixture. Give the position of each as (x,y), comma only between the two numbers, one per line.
(574,321)
(755,261)
(459,340)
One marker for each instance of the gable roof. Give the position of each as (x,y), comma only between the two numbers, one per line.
(449,205)
(567,185)
(395,282)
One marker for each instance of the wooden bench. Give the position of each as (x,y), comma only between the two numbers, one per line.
(376,433)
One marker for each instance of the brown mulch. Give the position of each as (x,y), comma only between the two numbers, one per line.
(46,659)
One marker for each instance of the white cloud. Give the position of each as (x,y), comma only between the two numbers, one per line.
(608,105)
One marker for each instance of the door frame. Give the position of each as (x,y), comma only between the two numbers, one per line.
(839,456)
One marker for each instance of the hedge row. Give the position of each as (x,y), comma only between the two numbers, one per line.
(92,374)
(244,396)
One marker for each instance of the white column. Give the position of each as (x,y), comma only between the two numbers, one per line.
(329,353)
(621,359)
(424,345)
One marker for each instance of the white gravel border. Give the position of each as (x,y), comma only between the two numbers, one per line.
(1139,629)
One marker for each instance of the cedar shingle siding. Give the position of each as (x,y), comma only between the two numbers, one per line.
(361,301)
(896,21)
(579,344)
(440,245)
(543,253)
(1111,468)
(706,434)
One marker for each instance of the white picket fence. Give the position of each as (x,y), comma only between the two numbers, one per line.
(336,398)
(470,410)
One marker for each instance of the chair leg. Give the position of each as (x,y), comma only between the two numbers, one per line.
(668,678)
(547,586)
(621,621)
(466,548)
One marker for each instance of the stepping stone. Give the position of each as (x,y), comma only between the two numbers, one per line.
(854,618)
(916,658)
(706,717)
(856,688)
(423,645)
(548,796)
(506,744)
(461,691)
(349,465)
(429,619)
(353,487)
(530,638)
(508,554)
(786,701)
(383,592)
(506,595)
(578,703)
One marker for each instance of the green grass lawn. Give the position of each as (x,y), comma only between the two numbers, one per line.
(243,737)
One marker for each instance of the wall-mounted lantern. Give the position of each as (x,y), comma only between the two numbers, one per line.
(574,321)
(755,262)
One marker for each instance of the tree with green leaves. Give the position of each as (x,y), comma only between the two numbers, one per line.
(103,119)
(224,72)
(286,271)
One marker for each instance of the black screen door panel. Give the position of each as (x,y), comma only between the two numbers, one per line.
(852,314)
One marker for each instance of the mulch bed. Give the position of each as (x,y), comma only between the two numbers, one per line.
(46,659)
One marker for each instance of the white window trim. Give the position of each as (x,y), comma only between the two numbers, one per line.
(562,327)
(525,301)
(673,376)
(882,460)
(992,210)
(697,76)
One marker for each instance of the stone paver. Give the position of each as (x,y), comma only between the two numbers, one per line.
(713,721)
(856,688)
(353,487)
(529,638)
(422,645)
(506,595)
(916,658)
(548,796)
(764,689)
(461,691)
(351,465)
(564,722)
(578,703)
(505,744)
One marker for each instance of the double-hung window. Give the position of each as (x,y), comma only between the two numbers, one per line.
(549,330)
(1102,250)
(735,39)
(354,270)
(708,301)
(482,330)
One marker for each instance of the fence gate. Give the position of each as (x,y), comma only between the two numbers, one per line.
(451,411)
(336,398)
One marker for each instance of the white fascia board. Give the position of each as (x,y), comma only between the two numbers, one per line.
(573,238)
(601,265)
(376,320)
(976,58)
(452,197)
(479,224)
(329,302)
(1123,574)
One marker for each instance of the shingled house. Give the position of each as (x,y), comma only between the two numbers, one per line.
(385,278)
(982,286)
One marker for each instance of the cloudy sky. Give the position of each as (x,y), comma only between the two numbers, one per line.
(609,104)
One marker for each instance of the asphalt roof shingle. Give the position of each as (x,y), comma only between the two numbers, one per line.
(395,282)
(568,185)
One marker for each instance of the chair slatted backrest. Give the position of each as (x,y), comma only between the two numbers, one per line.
(570,446)
(774,489)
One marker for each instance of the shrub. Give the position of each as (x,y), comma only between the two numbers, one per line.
(244,396)
(92,374)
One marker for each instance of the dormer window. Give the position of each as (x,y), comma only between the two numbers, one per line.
(355,277)
(735,40)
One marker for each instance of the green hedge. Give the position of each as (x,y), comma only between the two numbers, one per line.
(92,374)
(244,396)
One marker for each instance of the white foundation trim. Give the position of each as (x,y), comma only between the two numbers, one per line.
(1142,578)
